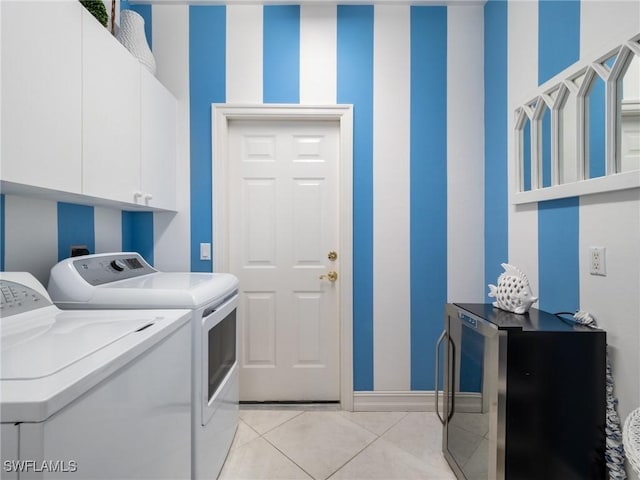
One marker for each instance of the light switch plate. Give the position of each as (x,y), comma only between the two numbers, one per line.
(205,251)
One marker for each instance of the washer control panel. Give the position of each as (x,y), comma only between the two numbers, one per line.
(17,298)
(98,270)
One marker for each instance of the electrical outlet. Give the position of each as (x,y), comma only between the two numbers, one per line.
(77,250)
(598,261)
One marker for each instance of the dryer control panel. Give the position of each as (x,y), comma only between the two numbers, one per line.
(107,268)
(17,298)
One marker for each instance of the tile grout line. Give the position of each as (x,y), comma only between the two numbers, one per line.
(375,433)
(283,423)
(380,437)
(262,436)
(290,459)
(281,452)
(284,454)
(352,458)
(336,470)
(276,426)
(250,427)
(417,457)
(377,437)
(395,423)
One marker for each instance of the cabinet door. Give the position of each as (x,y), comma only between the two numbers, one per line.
(111,115)
(158,143)
(41,94)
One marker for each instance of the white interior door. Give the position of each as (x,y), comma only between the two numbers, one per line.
(283,221)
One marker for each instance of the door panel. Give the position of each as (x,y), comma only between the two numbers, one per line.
(259,222)
(283,217)
(258,332)
(311,340)
(307,224)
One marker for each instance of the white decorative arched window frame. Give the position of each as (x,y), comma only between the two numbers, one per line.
(580,133)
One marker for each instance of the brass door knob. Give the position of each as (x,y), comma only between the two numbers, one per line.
(331,276)
(333,256)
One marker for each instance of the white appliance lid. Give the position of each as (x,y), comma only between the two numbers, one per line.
(126,280)
(43,371)
(176,281)
(163,290)
(48,342)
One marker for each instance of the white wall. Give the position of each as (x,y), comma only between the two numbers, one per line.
(611,220)
(522,77)
(391,204)
(31,236)
(108,230)
(465,162)
(171,50)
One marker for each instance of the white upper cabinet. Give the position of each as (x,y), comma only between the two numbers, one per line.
(158,143)
(41,94)
(82,120)
(110,115)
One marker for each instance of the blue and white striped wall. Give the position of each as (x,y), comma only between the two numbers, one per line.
(415,78)
(418,148)
(433,90)
(550,240)
(38,233)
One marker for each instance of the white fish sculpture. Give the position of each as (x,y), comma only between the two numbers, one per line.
(513,292)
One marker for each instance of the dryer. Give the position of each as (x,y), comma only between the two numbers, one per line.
(126,280)
(91,394)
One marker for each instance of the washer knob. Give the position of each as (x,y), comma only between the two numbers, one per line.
(118,265)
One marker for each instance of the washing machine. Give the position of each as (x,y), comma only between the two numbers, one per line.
(91,394)
(126,280)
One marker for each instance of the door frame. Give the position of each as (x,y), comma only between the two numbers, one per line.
(221,115)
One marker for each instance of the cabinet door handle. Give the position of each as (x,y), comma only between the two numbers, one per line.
(148,197)
(136,196)
(437,376)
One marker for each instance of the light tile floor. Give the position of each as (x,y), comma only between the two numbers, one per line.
(278,444)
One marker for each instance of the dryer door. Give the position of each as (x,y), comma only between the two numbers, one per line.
(219,346)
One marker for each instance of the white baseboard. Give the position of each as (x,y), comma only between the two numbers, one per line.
(411,401)
(398,401)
